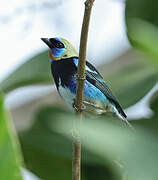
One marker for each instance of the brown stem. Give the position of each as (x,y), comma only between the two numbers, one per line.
(81,77)
(82,57)
(76,160)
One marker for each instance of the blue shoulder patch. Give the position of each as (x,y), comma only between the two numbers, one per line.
(86,68)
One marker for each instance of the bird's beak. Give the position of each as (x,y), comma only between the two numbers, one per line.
(49,44)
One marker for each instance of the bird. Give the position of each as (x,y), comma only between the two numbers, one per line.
(98,97)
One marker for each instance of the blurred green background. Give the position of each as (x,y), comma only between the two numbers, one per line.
(111,150)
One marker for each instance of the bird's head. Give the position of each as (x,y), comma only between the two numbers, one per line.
(59,48)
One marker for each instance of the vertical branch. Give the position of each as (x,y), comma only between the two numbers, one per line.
(82,57)
(81,77)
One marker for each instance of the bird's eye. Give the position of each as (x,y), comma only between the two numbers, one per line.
(59,45)
(56,43)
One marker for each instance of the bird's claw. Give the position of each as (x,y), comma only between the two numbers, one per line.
(77,109)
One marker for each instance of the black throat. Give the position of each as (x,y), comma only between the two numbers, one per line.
(63,71)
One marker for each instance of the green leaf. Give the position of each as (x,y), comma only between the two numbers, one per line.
(36,70)
(142,25)
(10,157)
(130,76)
(134,151)
(45,150)
(144,36)
(142,9)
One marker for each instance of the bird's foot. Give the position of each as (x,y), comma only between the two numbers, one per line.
(76,108)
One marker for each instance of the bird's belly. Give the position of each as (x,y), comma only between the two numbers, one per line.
(94,99)
(66,94)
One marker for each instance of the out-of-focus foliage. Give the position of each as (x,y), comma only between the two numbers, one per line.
(10,157)
(144,36)
(133,79)
(142,9)
(134,151)
(142,25)
(36,70)
(47,152)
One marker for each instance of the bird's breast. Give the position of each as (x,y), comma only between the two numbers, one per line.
(63,70)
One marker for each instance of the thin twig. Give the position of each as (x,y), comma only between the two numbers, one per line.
(82,56)
(81,77)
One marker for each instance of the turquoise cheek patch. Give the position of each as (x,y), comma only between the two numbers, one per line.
(56,52)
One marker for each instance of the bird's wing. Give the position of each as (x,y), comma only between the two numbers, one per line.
(94,77)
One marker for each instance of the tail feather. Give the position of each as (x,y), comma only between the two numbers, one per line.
(119,109)
(122,115)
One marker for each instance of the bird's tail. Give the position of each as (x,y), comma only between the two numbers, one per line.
(121,115)
(127,122)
